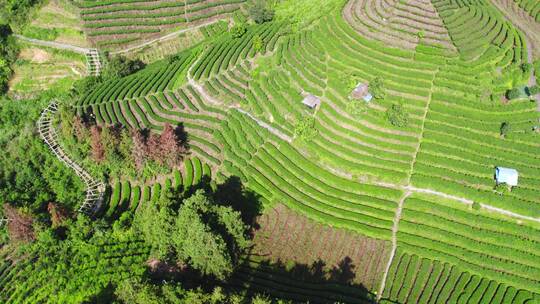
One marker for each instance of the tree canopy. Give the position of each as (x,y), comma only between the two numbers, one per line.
(200,233)
(260,11)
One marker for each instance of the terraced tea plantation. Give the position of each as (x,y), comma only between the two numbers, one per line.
(386,195)
(114,24)
(412,187)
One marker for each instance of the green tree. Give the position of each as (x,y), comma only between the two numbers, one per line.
(155,221)
(526,68)
(260,11)
(502,188)
(397,116)
(208,237)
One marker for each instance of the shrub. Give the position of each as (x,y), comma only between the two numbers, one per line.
(238,30)
(377,88)
(534,90)
(357,107)
(513,93)
(505,128)
(397,116)
(502,188)
(526,68)
(305,129)
(476,206)
(260,12)
(119,66)
(257,43)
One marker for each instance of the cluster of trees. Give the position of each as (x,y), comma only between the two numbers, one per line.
(121,152)
(195,232)
(137,146)
(143,292)
(8,54)
(89,261)
(22,223)
(30,175)
(260,11)
(16,12)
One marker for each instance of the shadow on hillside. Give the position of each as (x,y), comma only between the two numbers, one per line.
(181,135)
(315,283)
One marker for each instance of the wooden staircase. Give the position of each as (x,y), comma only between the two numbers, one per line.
(95,189)
(93,62)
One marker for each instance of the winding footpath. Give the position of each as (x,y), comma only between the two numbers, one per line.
(56,45)
(200,89)
(395,228)
(95,189)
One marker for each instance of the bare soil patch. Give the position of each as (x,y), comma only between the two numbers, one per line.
(341,255)
(35,55)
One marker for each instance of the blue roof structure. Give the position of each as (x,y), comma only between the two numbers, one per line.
(368,97)
(506,175)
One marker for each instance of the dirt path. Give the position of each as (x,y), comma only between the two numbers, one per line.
(395,227)
(52,44)
(162,38)
(214,101)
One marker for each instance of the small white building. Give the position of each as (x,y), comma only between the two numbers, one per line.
(506,176)
(311,101)
(361,91)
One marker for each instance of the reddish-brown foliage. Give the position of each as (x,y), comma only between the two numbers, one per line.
(20,226)
(58,214)
(79,128)
(171,149)
(153,146)
(139,149)
(98,151)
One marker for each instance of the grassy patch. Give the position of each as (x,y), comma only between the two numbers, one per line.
(57,21)
(39,69)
